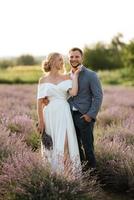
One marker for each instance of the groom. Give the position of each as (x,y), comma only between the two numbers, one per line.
(85,107)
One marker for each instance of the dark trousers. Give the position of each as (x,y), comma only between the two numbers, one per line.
(84,132)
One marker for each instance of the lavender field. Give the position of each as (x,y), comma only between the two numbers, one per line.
(23,175)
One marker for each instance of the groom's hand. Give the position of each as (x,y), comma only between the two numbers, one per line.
(86,117)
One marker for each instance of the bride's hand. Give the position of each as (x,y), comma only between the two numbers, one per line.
(45,101)
(77,71)
(40,127)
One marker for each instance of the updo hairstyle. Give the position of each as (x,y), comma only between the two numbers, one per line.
(48,62)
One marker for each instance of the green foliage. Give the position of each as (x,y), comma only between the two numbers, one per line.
(33,140)
(128,55)
(111,56)
(4,64)
(26,60)
(102,56)
(31,74)
(14,128)
(21,74)
(124,76)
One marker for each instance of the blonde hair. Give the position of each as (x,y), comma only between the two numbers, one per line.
(48,62)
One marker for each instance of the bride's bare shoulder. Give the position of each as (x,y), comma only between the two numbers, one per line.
(42,79)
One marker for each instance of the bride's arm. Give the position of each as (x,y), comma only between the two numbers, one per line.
(41,124)
(74,90)
(40,105)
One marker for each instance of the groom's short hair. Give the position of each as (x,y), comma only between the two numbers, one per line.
(76,49)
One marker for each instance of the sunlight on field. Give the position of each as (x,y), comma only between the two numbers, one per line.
(21,74)
(117,77)
(25,68)
(31,74)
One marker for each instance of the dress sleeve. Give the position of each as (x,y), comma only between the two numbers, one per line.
(41,91)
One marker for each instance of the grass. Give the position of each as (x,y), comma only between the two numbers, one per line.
(124,76)
(20,74)
(31,74)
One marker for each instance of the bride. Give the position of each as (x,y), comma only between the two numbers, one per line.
(56,117)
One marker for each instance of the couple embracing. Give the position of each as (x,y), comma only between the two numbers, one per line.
(67,106)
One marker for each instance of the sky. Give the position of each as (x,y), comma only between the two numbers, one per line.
(38,27)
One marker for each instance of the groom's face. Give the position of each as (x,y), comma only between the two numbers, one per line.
(75,58)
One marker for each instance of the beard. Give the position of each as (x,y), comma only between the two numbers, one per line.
(75,65)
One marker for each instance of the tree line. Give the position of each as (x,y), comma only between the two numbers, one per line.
(100,56)
(21,60)
(111,56)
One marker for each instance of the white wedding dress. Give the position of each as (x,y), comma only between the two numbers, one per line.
(59,123)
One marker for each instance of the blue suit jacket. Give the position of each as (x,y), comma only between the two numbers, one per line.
(89,97)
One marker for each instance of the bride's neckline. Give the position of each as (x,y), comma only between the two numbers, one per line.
(55,83)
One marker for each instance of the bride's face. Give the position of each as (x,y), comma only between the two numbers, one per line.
(59,63)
